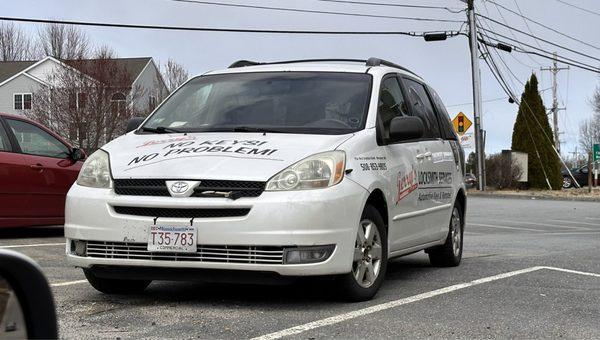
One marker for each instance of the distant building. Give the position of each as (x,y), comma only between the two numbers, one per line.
(20,80)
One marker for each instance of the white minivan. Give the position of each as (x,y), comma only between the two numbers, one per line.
(274,170)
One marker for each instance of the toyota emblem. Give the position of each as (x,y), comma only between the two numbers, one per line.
(179,187)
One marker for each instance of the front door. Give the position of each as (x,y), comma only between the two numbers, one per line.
(49,170)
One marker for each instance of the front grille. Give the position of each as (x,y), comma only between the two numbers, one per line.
(181,212)
(204,253)
(158,187)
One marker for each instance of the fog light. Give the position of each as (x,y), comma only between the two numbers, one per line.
(308,254)
(80,248)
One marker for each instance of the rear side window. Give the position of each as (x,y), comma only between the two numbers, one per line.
(422,108)
(4,145)
(444,118)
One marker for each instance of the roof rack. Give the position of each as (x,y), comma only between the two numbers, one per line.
(369,62)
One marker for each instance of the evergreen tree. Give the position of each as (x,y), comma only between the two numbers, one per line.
(532,134)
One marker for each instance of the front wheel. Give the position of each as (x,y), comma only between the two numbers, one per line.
(450,253)
(369,261)
(115,286)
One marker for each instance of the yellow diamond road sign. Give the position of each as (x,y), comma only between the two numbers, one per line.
(461,123)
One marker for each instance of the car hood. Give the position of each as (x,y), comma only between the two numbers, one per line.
(227,156)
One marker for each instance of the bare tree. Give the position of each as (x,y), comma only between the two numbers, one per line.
(64,42)
(589,132)
(174,74)
(89,102)
(14,43)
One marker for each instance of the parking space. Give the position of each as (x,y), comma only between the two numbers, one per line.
(530,269)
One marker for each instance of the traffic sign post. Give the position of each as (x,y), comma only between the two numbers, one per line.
(596,155)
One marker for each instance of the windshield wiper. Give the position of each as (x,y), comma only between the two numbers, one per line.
(254,129)
(161,129)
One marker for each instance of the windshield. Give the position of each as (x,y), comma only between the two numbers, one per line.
(291,102)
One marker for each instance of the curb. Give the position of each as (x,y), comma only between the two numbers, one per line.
(533,197)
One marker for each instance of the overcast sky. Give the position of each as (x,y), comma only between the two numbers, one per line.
(445,64)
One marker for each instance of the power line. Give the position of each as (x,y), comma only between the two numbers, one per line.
(511,33)
(564,60)
(579,8)
(394,5)
(526,19)
(483,101)
(522,17)
(213,29)
(538,38)
(285,9)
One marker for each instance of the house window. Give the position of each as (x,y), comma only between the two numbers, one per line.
(118,102)
(78,100)
(22,101)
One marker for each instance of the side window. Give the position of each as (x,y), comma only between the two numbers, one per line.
(35,141)
(443,117)
(422,107)
(391,103)
(4,144)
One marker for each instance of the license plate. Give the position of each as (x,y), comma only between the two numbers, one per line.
(172,239)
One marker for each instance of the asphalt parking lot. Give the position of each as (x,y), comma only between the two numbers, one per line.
(531,269)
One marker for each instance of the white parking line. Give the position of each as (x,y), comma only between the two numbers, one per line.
(67,283)
(503,227)
(384,306)
(546,225)
(32,245)
(593,218)
(577,222)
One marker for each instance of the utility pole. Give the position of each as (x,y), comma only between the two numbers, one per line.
(554,70)
(476,77)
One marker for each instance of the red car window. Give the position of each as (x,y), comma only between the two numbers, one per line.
(35,141)
(4,145)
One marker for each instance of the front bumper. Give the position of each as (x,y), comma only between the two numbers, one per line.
(276,219)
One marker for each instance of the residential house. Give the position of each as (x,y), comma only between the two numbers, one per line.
(140,86)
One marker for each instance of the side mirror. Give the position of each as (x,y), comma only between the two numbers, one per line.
(406,128)
(26,302)
(134,123)
(77,154)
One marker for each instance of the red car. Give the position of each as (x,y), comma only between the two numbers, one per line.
(37,168)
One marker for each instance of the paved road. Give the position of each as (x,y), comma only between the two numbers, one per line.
(531,269)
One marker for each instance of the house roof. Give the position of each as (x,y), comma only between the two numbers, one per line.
(10,68)
(133,66)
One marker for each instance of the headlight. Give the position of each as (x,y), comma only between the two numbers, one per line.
(95,172)
(317,171)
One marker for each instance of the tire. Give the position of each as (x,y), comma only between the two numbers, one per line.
(567,182)
(450,253)
(369,262)
(115,286)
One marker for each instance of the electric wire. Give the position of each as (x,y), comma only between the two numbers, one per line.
(562,59)
(386,4)
(286,9)
(538,38)
(579,8)
(527,19)
(214,29)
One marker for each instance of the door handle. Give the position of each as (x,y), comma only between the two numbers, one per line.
(37,166)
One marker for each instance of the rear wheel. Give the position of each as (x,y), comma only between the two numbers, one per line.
(450,253)
(115,286)
(567,182)
(369,261)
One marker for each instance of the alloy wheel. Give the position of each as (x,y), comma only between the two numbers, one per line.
(367,254)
